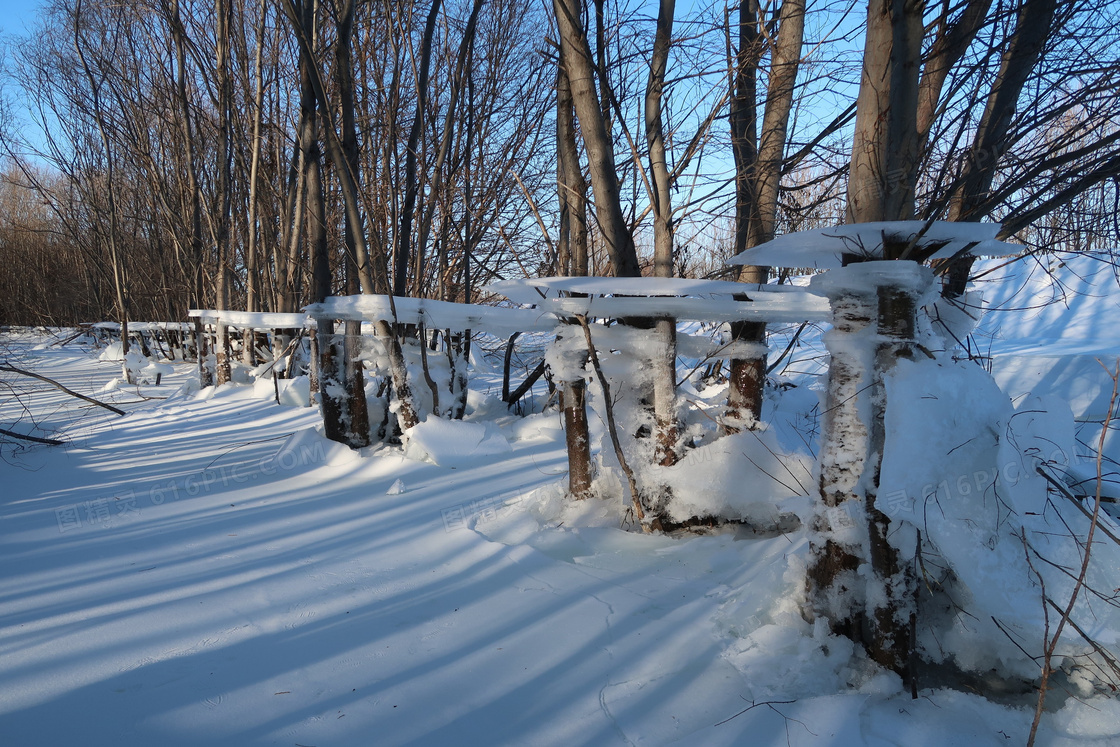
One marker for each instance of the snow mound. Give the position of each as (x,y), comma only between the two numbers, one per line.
(292,392)
(540,426)
(153,372)
(113,353)
(961,464)
(744,476)
(453,443)
(1048,329)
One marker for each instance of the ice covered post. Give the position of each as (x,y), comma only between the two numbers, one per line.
(332,394)
(861,575)
(860,571)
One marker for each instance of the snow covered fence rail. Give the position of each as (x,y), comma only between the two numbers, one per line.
(679,299)
(684,299)
(252,320)
(279,330)
(650,342)
(432,314)
(402,344)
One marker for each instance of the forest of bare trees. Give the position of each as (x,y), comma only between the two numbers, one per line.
(206,155)
(233,154)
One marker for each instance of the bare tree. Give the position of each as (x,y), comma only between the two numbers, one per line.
(572,258)
(95,80)
(758,170)
(576,56)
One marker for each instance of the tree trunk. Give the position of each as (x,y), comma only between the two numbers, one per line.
(1020,57)
(198,297)
(758,175)
(872,605)
(354,376)
(115,259)
(575,54)
(949,46)
(331,375)
(221,230)
(252,276)
(571,186)
(885,146)
(412,185)
(663,368)
(572,251)
(849,530)
(573,402)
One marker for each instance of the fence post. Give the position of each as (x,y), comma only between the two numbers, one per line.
(874,306)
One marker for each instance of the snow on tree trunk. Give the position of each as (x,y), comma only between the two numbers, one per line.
(665,393)
(332,391)
(457,353)
(398,370)
(313,366)
(224,370)
(355,377)
(861,576)
(567,359)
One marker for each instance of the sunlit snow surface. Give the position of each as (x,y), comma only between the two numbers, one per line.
(209,570)
(1052,327)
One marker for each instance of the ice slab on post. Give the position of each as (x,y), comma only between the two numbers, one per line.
(824,248)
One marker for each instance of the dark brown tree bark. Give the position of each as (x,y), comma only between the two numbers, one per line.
(885,148)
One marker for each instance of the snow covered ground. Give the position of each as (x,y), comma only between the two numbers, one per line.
(209,570)
(1051,327)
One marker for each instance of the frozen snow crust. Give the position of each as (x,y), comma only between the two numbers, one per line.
(210,570)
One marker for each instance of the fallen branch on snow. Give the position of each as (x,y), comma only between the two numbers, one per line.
(36,439)
(71,392)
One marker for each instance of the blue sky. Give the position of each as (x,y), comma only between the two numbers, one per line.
(17,15)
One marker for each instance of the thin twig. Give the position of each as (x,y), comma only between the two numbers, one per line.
(1076,502)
